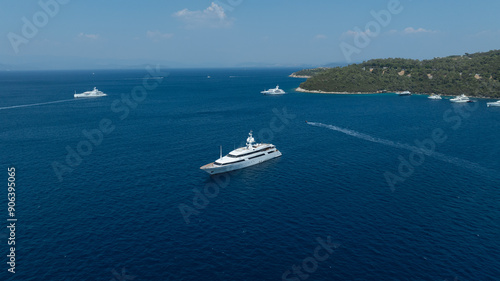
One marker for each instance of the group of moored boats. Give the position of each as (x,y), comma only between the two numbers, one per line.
(458,99)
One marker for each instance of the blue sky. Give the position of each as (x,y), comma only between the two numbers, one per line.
(227,33)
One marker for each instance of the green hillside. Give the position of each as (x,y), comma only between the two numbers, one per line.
(475,74)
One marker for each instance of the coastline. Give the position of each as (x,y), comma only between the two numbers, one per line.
(299,89)
(299,76)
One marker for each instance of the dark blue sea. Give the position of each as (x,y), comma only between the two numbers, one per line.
(374,187)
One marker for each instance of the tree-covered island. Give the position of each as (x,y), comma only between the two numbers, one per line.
(475,74)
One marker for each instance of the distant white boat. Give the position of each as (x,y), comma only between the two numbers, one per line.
(435,97)
(275,91)
(404,93)
(461,99)
(90,94)
(496,103)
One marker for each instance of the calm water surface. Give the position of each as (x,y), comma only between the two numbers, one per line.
(115,214)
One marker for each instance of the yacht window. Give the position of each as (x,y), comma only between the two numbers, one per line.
(256,156)
(260,150)
(232,162)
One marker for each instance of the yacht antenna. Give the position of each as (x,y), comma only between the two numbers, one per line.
(220,152)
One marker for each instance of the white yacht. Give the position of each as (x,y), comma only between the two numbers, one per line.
(460,99)
(435,97)
(496,103)
(90,94)
(251,154)
(275,91)
(404,93)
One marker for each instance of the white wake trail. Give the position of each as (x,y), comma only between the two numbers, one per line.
(35,104)
(436,155)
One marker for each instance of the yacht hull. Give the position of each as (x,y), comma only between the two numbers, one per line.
(214,169)
(272,94)
(87,96)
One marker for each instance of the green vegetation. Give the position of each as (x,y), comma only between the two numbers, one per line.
(310,72)
(471,74)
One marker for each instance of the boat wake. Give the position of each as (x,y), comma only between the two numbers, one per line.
(34,104)
(436,155)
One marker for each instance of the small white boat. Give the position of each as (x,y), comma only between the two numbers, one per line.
(435,97)
(90,94)
(404,93)
(275,91)
(460,99)
(496,103)
(243,157)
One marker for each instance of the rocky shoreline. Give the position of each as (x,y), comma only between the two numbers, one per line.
(299,89)
(299,76)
